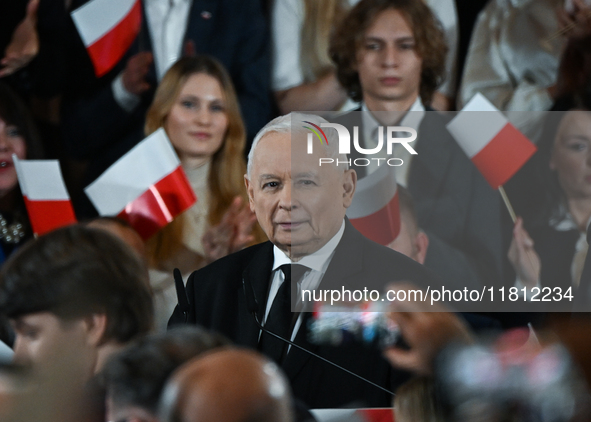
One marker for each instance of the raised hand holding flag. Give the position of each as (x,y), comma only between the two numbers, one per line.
(493,144)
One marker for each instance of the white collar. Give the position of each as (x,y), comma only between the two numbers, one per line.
(318,260)
(412,119)
(564,221)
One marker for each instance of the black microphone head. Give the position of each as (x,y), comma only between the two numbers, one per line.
(251,302)
(177,274)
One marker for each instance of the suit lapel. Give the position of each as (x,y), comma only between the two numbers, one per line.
(345,267)
(258,275)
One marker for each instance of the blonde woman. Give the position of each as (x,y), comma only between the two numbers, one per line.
(197,106)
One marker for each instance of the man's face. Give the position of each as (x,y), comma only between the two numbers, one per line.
(299,204)
(387,62)
(46,343)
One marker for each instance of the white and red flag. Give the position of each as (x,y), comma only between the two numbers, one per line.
(493,144)
(45,194)
(146,187)
(375,210)
(108,28)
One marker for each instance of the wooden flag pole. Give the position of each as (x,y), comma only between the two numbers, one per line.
(508,204)
(514,217)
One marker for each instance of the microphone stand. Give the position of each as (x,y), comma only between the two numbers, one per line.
(252,306)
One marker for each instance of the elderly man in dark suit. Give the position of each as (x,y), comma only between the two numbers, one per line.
(301,207)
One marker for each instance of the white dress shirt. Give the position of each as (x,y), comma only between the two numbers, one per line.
(317,262)
(412,119)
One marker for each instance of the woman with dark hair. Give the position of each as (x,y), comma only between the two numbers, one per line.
(17,136)
(197,106)
(558,216)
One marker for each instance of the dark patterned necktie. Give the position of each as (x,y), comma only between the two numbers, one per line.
(281,319)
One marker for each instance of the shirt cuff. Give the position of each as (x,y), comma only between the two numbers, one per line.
(126,100)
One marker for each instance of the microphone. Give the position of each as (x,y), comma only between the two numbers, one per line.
(252,306)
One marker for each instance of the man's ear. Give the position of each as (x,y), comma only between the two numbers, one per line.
(249,191)
(96,326)
(421,246)
(349,185)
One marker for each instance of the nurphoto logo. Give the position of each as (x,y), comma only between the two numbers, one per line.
(392,137)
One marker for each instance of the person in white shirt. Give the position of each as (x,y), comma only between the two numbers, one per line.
(390,54)
(303,76)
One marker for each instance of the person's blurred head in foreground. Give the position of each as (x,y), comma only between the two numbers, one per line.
(512,378)
(134,378)
(123,230)
(230,385)
(74,296)
(418,400)
(411,241)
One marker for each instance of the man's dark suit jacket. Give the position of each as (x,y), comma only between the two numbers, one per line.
(455,206)
(217,302)
(96,128)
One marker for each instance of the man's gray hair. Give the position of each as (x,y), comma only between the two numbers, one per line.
(298,122)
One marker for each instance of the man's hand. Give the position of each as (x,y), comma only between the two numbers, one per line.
(134,75)
(24,44)
(426,329)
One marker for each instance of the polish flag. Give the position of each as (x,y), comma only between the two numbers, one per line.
(108,28)
(375,211)
(493,144)
(146,187)
(45,194)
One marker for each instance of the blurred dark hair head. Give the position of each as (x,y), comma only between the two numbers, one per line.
(14,112)
(77,271)
(574,73)
(136,376)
